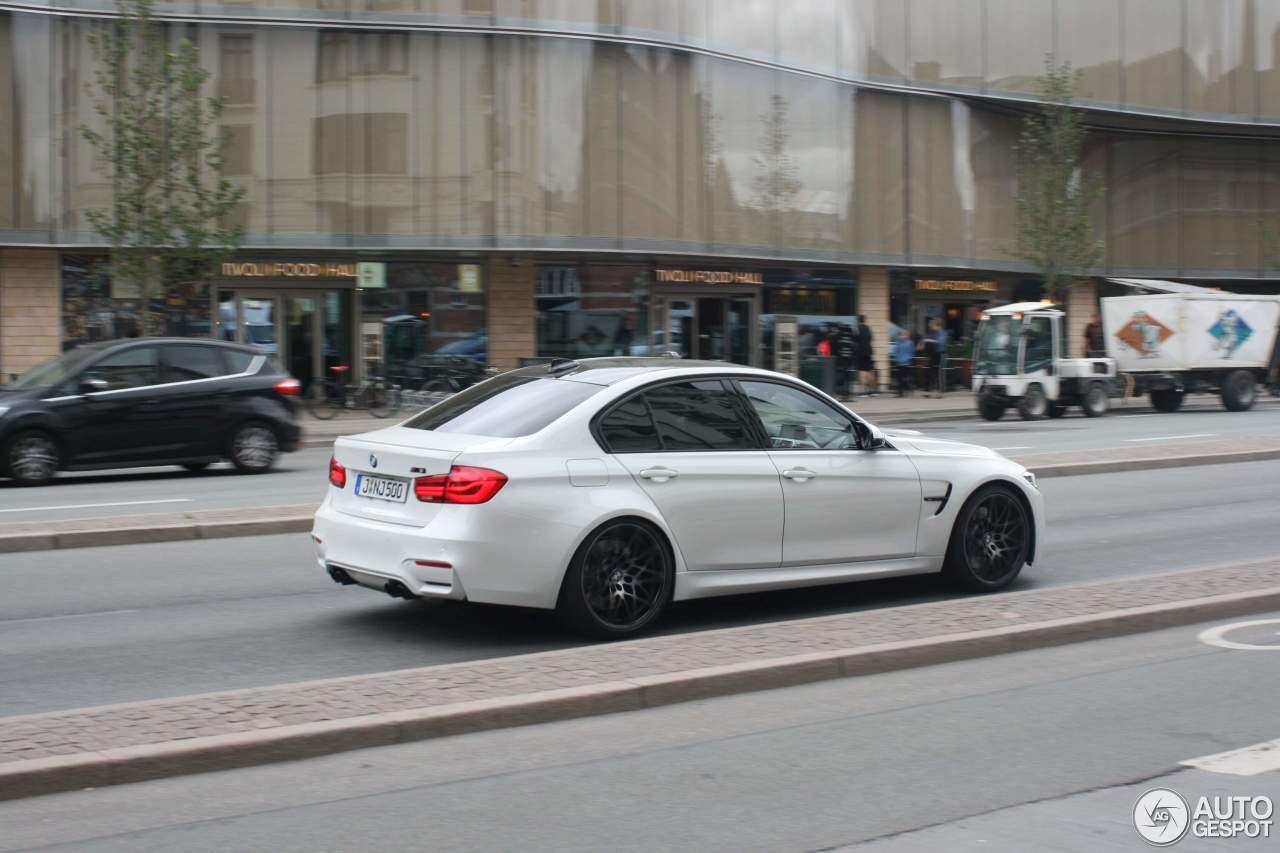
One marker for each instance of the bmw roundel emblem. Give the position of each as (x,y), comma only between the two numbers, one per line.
(373,461)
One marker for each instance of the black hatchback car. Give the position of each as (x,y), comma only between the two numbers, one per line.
(147,401)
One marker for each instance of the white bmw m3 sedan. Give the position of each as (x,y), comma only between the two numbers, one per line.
(609,487)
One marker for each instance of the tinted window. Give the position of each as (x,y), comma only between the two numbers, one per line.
(505,406)
(629,428)
(192,362)
(237,361)
(795,419)
(131,368)
(1039,335)
(698,416)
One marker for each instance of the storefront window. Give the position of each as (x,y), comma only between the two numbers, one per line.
(594,310)
(427,326)
(820,302)
(94,308)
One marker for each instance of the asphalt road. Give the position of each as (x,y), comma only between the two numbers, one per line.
(100,625)
(1037,750)
(301,477)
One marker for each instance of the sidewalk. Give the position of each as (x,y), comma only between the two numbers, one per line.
(140,740)
(885,409)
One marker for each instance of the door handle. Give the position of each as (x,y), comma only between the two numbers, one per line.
(659,473)
(799,474)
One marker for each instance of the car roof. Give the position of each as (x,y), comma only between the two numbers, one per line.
(121,342)
(611,370)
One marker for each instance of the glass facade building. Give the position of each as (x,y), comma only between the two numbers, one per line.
(526,170)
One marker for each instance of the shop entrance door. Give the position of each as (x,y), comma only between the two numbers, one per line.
(307,332)
(712,328)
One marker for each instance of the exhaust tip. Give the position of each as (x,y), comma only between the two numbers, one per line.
(340,576)
(395,589)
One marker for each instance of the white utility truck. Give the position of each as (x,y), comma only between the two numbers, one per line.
(1161,344)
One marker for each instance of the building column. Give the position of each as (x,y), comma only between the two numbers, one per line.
(873,303)
(29,310)
(1082,304)
(511,314)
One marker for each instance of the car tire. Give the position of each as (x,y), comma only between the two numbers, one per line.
(254,448)
(196,467)
(619,581)
(1167,399)
(1034,405)
(1057,410)
(31,458)
(1095,402)
(990,410)
(1239,391)
(990,540)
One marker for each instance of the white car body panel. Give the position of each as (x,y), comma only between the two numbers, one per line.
(726,533)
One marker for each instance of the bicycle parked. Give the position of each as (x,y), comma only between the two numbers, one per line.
(374,394)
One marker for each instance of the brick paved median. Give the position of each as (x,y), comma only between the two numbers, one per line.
(141,731)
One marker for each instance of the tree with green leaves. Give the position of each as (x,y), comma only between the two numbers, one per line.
(1054,191)
(160,144)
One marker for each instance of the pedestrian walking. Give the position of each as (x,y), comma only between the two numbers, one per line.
(938,359)
(1094,345)
(846,354)
(902,353)
(866,367)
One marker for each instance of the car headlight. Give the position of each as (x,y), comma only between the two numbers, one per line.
(1031,479)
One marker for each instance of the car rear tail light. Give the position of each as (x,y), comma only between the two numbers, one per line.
(289,386)
(337,473)
(462,485)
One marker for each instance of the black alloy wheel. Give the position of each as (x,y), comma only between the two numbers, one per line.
(990,541)
(619,581)
(32,458)
(254,448)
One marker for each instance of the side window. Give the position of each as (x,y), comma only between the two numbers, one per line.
(699,416)
(135,367)
(629,428)
(794,419)
(1039,337)
(194,361)
(237,361)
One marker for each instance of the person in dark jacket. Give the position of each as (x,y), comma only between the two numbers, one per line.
(846,343)
(865,363)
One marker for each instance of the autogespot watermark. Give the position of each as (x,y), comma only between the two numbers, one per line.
(1162,817)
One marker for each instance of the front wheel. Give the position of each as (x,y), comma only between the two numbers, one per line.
(32,458)
(990,540)
(1239,391)
(254,448)
(1034,405)
(991,410)
(619,582)
(1095,401)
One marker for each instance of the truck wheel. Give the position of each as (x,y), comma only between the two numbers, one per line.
(991,410)
(1239,391)
(1034,404)
(1057,410)
(1167,400)
(1095,401)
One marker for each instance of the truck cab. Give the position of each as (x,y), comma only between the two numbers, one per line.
(1019,363)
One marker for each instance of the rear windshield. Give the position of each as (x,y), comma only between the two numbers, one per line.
(505,406)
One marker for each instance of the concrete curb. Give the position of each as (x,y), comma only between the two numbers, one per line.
(290,743)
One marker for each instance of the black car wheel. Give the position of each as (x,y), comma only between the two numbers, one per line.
(1166,399)
(254,448)
(1096,401)
(32,458)
(991,410)
(619,581)
(1034,404)
(990,540)
(1239,391)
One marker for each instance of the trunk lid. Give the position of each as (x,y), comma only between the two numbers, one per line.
(398,455)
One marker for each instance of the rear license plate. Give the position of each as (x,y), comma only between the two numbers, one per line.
(382,489)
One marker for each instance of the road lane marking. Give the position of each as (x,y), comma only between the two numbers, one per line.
(1171,437)
(1246,761)
(67,616)
(1015,447)
(94,506)
(1138,416)
(1217,636)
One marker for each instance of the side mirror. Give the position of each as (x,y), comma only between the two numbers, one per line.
(93,385)
(874,439)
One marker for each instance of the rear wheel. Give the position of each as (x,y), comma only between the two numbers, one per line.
(1034,405)
(990,540)
(1095,401)
(991,410)
(1239,391)
(32,458)
(254,448)
(1167,399)
(620,580)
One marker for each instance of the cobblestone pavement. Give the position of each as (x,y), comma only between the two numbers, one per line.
(68,733)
